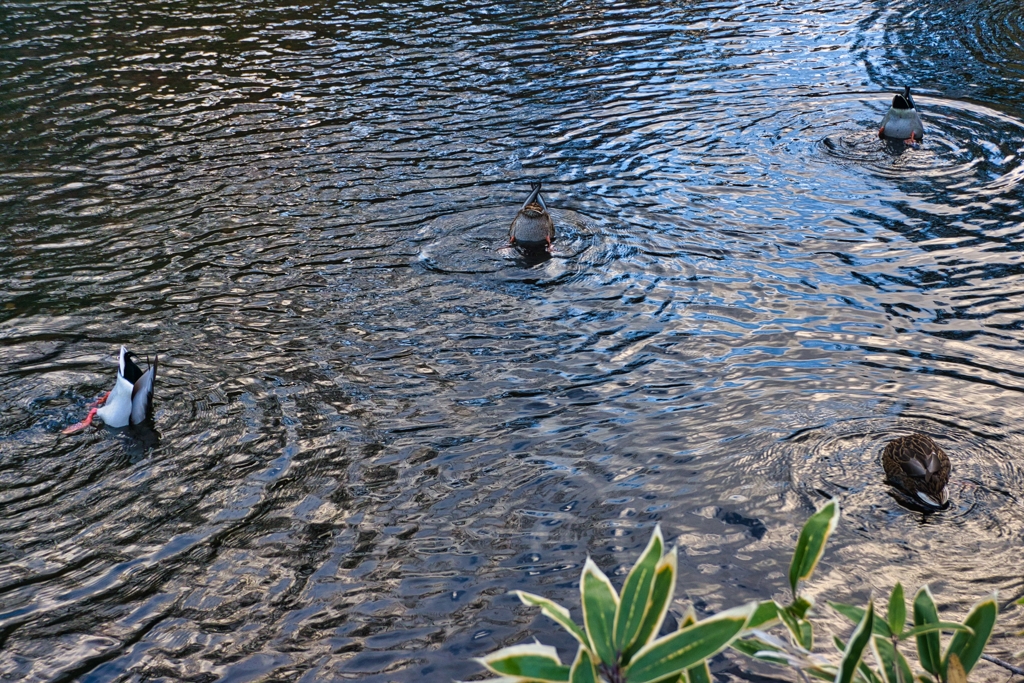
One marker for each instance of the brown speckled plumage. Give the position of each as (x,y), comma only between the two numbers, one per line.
(532,227)
(917,466)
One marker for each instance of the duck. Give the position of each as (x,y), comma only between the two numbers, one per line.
(131,399)
(532,229)
(916,465)
(902,122)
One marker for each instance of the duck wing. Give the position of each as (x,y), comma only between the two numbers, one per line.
(142,394)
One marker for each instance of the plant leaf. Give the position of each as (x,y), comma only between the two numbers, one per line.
(866,671)
(800,630)
(661,595)
(954,670)
(938,626)
(855,647)
(534,661)
(583,670)
(897,612)
(800,606)
(701,673)
(687,647)
(556,612)
(855,614)
(766,614)
(600,603)
(636,593)
(811,544)
(928,647)
(891,659)
(968,647)
(751,646)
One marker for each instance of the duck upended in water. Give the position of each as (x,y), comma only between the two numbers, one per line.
(916,465)
(532,229)
(131,399)
(902,122)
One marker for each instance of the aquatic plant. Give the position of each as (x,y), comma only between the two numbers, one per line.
(619,640)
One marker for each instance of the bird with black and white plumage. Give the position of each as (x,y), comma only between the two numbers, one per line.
(131,399)
(902,122)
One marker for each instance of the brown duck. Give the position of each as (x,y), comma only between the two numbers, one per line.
(916,465)
(532,229)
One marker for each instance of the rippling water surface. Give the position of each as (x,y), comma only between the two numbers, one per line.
(371,422)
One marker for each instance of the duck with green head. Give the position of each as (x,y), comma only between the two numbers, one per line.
(916,465)
(902,122)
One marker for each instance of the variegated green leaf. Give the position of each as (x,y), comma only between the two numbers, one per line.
(555,612)
(583,669)
(936,627)
(969,647)
(700,673)
(766,614)
(661,596)
(752,646)
(800,606)
(683,649)
(534,662)
(866,672)
(636,593)
(855,614)
(600,602)
(855,647)
(799,630)
(928,649)
(897,612)
(811,544)
(955,670)
(891,659)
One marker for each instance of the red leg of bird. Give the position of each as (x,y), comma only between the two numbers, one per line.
(881,132)
(911,141)
(79,426)
(83,424)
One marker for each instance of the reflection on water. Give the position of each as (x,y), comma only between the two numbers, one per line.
(372,423)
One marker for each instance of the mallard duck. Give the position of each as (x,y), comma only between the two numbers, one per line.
(532,229)
(902,122)
(917,465)
(131,399)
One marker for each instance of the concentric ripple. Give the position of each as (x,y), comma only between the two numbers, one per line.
(970,151)
(372,422)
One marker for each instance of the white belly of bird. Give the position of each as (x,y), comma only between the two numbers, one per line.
(117,410)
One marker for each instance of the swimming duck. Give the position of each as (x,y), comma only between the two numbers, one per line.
(916,465)
(131,399)
(902,122)
(532,229)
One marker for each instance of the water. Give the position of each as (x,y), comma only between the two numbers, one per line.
(371,424)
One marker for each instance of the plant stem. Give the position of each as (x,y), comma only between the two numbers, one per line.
(1006,665)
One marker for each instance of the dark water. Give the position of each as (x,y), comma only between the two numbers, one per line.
(371,424)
